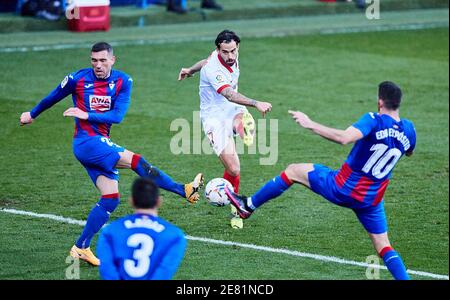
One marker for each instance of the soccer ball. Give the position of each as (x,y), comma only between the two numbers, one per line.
(215,192)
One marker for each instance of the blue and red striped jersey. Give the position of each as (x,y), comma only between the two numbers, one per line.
(365,174)
(105,100)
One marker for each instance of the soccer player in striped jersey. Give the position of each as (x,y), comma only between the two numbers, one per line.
(101,96)
(380,140)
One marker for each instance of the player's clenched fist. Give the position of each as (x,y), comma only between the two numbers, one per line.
(26,118)
(263,107)
(76,112)
(184,73)
(301,118)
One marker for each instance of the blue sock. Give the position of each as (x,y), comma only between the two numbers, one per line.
(144,169)
(98,217)
(394,263)
(270,190)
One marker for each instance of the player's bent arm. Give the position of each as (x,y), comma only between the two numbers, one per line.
(197,66)
(343,137)
(189,72)
(171,260)
(107,268)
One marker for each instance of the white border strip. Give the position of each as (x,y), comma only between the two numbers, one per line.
(228,243)
(281,33)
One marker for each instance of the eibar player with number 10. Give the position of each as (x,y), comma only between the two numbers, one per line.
(380,140)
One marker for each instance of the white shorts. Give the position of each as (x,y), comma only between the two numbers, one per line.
(218,127)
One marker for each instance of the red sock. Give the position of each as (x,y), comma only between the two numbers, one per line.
(286,179)
(234,180)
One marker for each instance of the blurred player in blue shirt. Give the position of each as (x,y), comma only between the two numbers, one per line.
(141,246)
(380,140)
(101,96)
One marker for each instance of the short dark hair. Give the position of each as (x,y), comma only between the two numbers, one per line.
(227,36)
(391,94)
(102,46)
(145,193)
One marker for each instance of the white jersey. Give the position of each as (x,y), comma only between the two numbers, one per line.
(215,76)
(216,112)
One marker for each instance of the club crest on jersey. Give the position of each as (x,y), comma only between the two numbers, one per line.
(100,103)
(111,85)
(219,78)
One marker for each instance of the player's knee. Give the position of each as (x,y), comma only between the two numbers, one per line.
(126,159)
(234,171)
(380,241)
(293,171)
(297,173)
(290,168)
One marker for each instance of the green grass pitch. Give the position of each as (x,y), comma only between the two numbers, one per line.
(333,78)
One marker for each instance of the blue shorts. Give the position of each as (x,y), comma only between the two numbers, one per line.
(98,155)
(322,182)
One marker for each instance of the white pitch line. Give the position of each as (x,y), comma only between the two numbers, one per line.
(229,243)
(44,216)
(279,34)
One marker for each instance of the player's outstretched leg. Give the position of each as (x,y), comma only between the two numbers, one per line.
(98,217)
(272,189)
(190,191)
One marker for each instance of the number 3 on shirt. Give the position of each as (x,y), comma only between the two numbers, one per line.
(380,159)
(142,255)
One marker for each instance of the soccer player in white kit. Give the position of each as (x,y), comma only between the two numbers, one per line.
(223,111)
